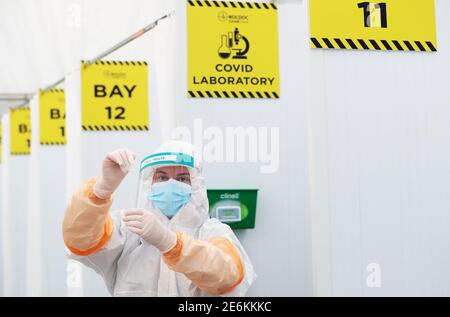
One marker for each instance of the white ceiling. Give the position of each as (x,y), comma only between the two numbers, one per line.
(42,40)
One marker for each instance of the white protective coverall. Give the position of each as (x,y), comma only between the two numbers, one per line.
(207,260)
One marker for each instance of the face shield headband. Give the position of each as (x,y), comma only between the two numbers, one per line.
(167,158)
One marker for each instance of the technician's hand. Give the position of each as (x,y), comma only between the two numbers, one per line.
(115,166)
(150,228)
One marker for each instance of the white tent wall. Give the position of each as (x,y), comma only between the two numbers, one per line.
(14,207)
(6,255)
(46,267)
(1,244)
(19,183)
(86,150)
(34,224)
(279,246)
(381,170)
(2,259)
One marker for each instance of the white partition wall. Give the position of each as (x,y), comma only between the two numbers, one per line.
(1,244)
(6,255)
(2,257)
(381,169)
(15,191)
(46,265)
(279,246)
(37,180)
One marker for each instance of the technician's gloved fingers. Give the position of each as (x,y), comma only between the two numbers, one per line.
(133,156)
(114,168)
(135,224)
(148,223)
(125,163)
(132,218)
(151,230)
(130,158)
(135,230)
(113,158)
(134,211)
(124,160)
(123,157)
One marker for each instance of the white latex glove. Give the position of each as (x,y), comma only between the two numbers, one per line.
(115,166)
(150,228)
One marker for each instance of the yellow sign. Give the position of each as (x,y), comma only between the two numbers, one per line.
(388,25)
(52,117)
(20,129)
(232,49)
(115,96)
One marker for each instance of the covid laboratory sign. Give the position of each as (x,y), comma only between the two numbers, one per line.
(115,96)
(232,50)
(387,25)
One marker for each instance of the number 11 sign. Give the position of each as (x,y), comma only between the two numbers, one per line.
(387,25)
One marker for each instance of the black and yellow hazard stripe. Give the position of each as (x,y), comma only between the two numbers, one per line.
(379,45)
(20,153)
(115,127)
(128,63)
(231,4)
(53,143)
(53,91)
(233,94)
(22,108)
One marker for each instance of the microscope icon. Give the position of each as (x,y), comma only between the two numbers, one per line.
(234,42)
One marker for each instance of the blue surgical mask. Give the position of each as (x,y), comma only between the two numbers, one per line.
(170,196)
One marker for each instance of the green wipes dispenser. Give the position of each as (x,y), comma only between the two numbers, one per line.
(235,207)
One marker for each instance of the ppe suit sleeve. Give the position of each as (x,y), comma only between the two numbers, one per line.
(93,235)
(215,266)
(104,261)
(87,225)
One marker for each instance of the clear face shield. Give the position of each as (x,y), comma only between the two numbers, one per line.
(165,182)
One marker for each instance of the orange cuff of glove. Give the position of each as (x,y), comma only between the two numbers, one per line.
(215,266)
